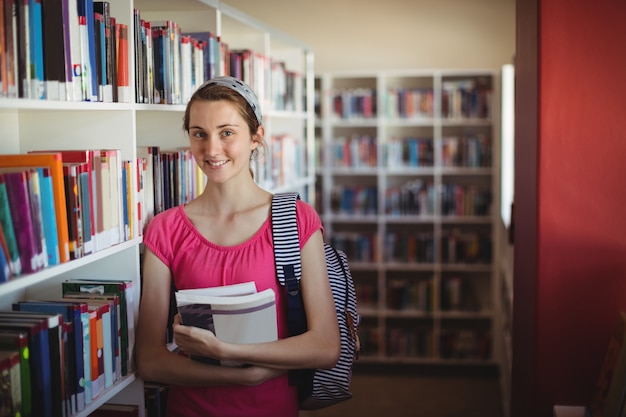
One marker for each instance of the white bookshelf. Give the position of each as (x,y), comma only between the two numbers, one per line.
(27,125)
(394,331)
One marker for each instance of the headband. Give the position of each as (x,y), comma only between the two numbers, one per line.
(240,87)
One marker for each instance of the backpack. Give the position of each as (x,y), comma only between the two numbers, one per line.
(317,388)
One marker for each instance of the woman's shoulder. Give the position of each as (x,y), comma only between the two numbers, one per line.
(166,218)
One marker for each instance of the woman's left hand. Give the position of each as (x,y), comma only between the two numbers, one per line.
(195,340)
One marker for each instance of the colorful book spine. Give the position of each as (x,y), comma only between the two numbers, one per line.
(37,89)
(6,222)
(48,210)
(19,203)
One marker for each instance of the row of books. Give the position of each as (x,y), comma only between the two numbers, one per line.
(69,350)
(357,103)
(171,64)
(63,50)
(409,152)
(413,198)
(471,150)
(356,151)
(465,200)
(358,246)
(360,200)
(414,295)
(466,247)
(60,205)
(468,98)
(409,103)
(409,247)
(410,342)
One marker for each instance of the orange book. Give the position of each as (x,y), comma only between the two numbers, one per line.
(55,162)
(122,63)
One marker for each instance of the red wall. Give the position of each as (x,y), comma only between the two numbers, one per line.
(580,282)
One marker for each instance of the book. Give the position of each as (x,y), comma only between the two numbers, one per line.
(56,398)
(54,162)
(17,340)
(53,49)
(37,89)
(241,319)
(71,47)
(6,223)
(74,210)
(18,193)
(71,313)
(40,362)
(36,213)
(11,45)
(125,290)
(116,330)
(48,211)
(123,86)
(10,395)
(607,398)
(88,47)
(5,267)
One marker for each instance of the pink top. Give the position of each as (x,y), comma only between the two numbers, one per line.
(197,263)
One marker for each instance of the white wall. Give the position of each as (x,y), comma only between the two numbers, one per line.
(394,34)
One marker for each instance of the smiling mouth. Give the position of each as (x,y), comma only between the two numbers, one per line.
(217,163)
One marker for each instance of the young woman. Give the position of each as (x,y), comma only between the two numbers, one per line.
(224,237)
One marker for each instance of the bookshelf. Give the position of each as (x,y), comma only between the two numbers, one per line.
(408,186)
(30,124)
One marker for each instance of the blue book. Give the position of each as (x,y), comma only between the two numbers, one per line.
(36,49)
(49,216)
(71,313)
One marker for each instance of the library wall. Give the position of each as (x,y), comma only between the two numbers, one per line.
(579,282)
(401,34)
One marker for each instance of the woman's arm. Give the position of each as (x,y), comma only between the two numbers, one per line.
(318,347)
(154,361)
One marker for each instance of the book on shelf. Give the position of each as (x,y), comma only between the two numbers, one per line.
(53,50)
(74,214)
(10,395)
(71,313)
(17,340)
(116,331)
(55,163)
(235,314)
(27,233)
(35,40)
(6,222)
(48,211)
(71,44)
(5,267)
(41,367)
(124,290)
(88,47)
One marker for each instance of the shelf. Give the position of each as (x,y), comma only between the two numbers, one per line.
(435,165)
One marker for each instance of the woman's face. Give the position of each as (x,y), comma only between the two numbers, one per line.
(220,140)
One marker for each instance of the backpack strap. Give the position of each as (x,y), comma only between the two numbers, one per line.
(288,272)
(286,241)
(287,257)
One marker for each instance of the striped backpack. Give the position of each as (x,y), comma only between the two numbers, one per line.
(317,388)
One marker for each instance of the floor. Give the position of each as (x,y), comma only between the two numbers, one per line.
(408,394)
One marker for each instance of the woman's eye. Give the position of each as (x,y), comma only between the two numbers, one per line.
(227,133)
(198,135)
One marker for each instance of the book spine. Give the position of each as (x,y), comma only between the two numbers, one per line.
(37,218)
(18,195)
(36,50)
(6,223)
(122,64)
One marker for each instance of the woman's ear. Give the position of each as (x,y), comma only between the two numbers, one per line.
(258,137)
